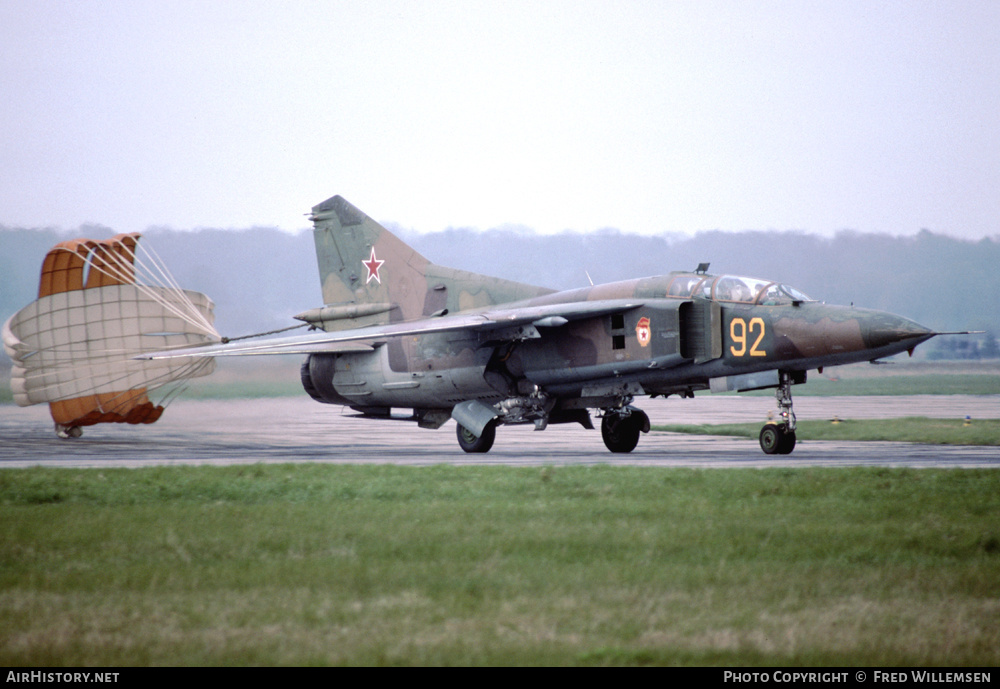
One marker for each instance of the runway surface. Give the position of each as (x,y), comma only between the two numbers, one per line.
(296,429)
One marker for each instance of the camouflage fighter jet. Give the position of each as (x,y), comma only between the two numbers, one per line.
(398,331)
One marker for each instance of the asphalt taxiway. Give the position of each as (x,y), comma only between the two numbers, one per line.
(297,429)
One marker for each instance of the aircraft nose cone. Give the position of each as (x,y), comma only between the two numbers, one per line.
(886,329)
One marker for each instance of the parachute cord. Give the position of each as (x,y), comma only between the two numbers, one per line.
(143,268)
(227,340)
(151,268)
(167,279)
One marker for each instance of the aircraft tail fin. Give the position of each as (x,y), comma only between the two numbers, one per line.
(372,277)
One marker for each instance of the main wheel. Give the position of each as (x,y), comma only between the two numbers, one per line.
(776,439)
(621,433)
(473,443)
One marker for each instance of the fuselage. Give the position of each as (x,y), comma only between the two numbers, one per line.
(689,330)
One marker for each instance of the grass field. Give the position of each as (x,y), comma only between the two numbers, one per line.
(384,565)
(908,429)
(278,376)
(904,377)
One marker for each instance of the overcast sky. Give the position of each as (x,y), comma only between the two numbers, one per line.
(649,117)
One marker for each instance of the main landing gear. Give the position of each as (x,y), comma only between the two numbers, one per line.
(778,437)
(620,429)
(473,443)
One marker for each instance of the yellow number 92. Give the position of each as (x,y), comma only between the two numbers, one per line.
(739,332)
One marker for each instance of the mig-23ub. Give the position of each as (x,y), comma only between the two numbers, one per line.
(399,332)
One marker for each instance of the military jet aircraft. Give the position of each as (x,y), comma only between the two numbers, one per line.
(398,331)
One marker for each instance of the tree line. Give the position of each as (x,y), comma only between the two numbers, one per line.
(260,277)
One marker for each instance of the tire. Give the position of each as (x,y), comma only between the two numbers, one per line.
(787,443)
(471,443)
(621,434)
(776,439)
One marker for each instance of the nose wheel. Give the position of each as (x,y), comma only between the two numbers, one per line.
(778,438)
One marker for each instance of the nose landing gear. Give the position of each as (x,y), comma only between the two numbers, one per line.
(778,437)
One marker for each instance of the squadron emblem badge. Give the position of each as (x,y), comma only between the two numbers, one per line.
(642,331)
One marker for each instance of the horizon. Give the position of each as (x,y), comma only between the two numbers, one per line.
(404,232)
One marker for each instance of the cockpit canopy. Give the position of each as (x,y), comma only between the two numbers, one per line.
(732,288)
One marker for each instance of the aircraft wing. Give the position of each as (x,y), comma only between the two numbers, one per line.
(506,323)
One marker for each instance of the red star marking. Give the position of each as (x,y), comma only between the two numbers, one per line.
(373,264)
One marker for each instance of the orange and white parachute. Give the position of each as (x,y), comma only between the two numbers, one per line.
(99,304)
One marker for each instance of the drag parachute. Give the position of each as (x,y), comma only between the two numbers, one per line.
(99,304)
